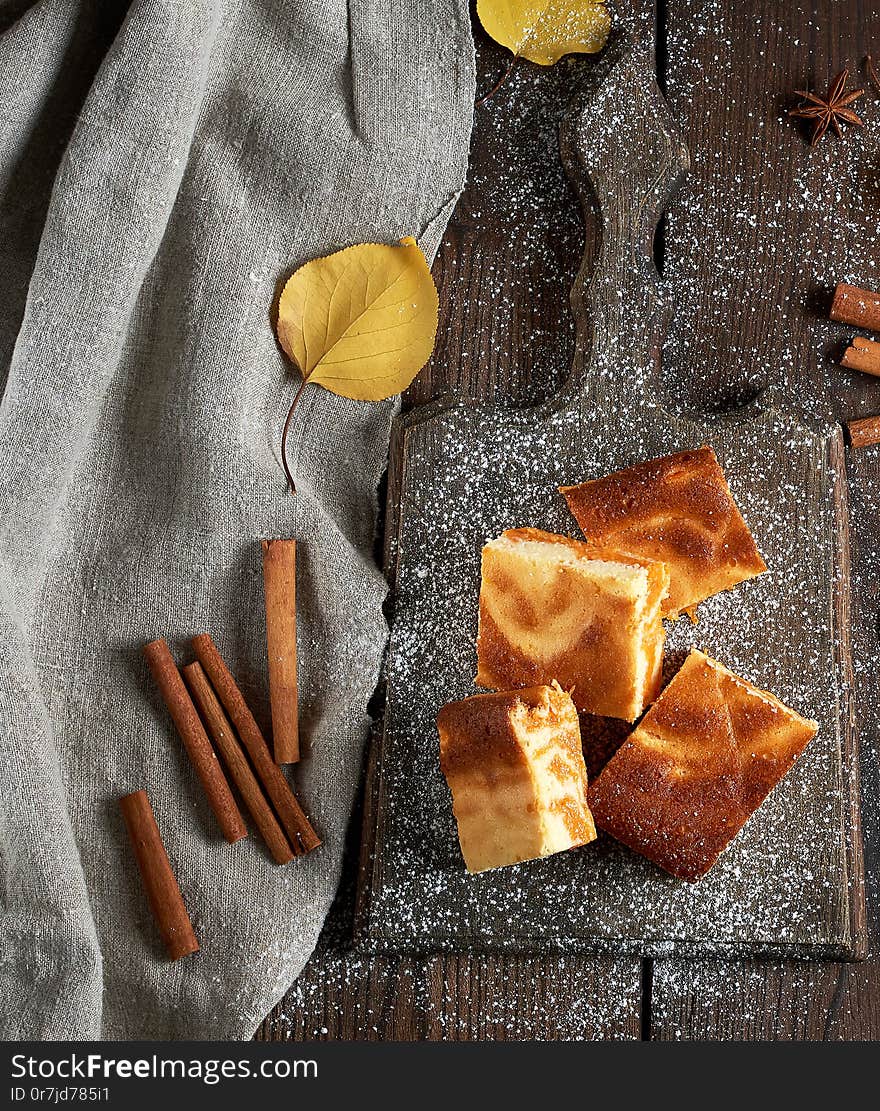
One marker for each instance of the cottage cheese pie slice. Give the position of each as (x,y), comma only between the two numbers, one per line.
(514,765)
(679,510)
(555,608)
(702,760)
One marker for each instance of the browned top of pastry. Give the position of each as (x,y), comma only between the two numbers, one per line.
(556,608)
(679,510)
(702,760)
(515,767)
(479,729)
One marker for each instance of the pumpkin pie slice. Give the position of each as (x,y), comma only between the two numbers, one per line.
(699,764)
(556,608)
(678,510)
(514,765)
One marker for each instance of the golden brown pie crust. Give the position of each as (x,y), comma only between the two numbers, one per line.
(678,510)
(700,762)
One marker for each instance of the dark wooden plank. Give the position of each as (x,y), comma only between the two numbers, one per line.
(747,1001)
(343,996)
(502,998)
(754,312)
(339,997)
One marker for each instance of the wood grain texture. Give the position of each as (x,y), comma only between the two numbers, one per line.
(341,996)
(501,998)
(815,224)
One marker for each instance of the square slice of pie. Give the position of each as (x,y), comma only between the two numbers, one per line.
(556,608)
(699,764)
(679,510)
(514,765)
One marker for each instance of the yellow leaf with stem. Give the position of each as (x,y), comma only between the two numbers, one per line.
(544,30)
(360,322)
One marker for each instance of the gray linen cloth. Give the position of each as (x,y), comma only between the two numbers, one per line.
(160,172)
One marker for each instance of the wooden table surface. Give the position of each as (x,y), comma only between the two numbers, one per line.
(762,230)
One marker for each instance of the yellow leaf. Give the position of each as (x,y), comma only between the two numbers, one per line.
(361,322)
(544,30)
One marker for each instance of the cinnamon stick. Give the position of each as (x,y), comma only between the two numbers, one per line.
(279,584)
(160,886)
(864,432)
(195,740)
(236,763)
(296,825)
(859,307)
(863,354)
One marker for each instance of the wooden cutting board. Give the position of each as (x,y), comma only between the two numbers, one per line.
(792,882)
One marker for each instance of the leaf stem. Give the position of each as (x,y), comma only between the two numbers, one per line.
(498,83)
(284,463)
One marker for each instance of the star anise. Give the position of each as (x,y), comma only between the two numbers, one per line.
(831,110)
